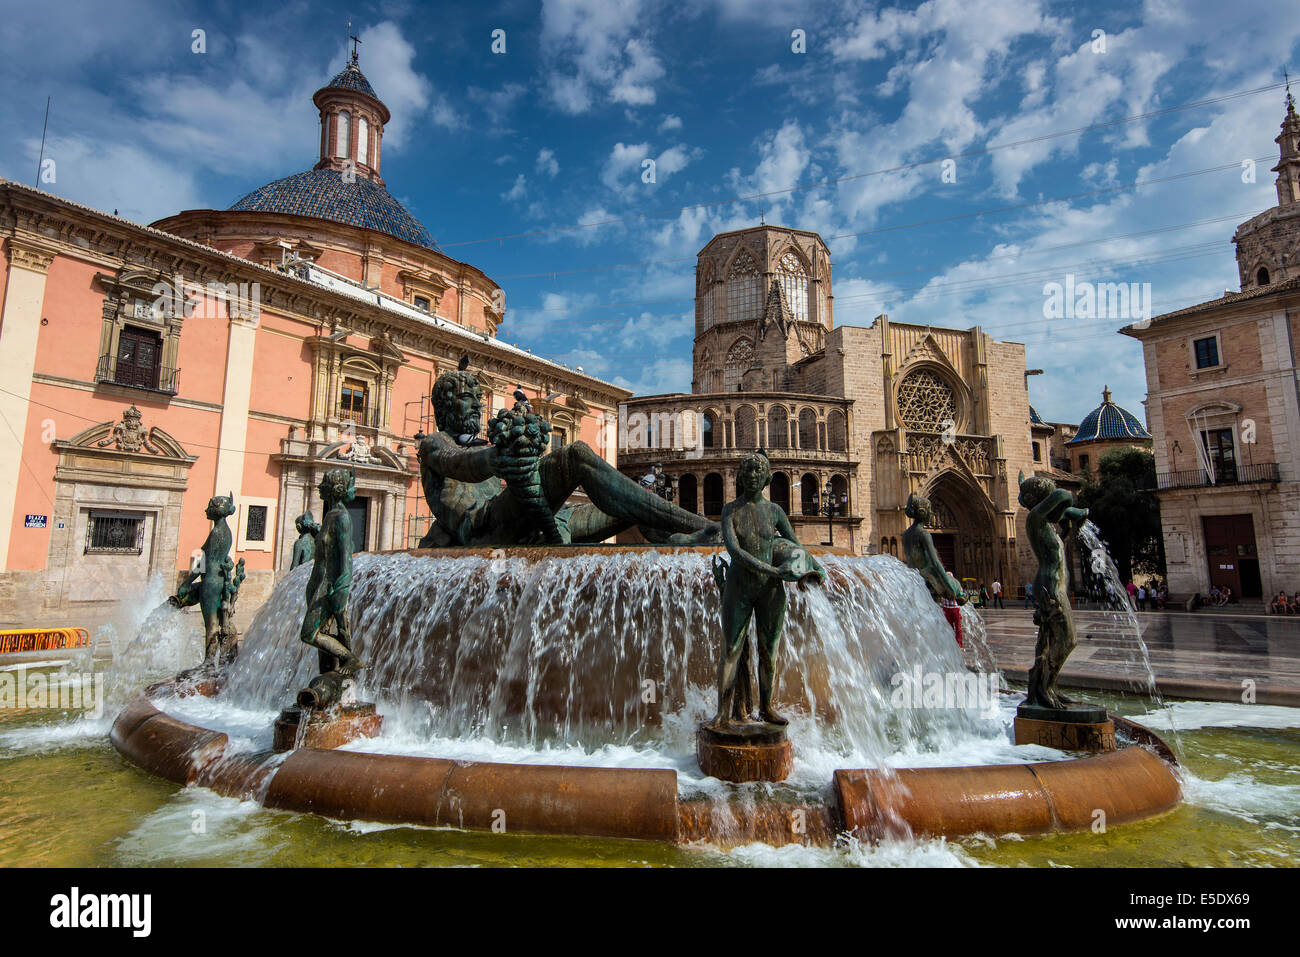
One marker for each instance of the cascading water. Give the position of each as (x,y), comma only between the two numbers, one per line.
(593,650)
(1123,625)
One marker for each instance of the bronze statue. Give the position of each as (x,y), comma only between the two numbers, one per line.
(331,579)
(765,554)
(1049,506)
(213,584)
(918,549)
(919,552)
(462,477)
(304,549)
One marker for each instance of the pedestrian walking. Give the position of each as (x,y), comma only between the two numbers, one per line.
(997,595)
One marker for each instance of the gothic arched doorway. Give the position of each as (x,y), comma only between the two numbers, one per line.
(965,534)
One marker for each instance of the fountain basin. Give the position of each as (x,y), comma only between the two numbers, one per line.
(643,804)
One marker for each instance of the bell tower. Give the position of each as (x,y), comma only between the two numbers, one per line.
(1288,167)
(1268,245)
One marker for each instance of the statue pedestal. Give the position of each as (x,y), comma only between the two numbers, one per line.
(325,729)
(1066,729)
(755,751)
(203,680)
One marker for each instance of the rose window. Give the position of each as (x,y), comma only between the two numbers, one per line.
(926,402)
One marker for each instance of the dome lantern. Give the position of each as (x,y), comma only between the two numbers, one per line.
(352,119)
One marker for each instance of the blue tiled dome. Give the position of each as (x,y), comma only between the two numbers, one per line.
(322,193)
(352,79)
(1109,421)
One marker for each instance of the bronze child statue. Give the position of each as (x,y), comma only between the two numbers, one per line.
(331,579)
(304,549)
(920,553)
(213,584)
(1049,506)
(765,554)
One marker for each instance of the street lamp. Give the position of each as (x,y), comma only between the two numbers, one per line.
(665,486)
(830,507)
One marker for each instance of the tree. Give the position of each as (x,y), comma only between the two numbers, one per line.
(1121,503)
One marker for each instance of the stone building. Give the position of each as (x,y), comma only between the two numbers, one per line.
(144,369)
(1105,429)
(857,417)
(1222,406)
(1049,443)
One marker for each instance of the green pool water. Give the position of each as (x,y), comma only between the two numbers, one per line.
(68,799)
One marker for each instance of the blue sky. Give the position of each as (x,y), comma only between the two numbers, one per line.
(552,134)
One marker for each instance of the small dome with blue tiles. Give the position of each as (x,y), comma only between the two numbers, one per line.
(325,194)
(1109,421)
(1034,417)
(351,78)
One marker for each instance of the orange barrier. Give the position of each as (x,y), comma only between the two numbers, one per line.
(43,639)
(635,803)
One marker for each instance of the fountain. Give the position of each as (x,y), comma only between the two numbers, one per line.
(527,678)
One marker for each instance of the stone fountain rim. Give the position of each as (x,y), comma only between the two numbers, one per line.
(539,552)
(1131,784)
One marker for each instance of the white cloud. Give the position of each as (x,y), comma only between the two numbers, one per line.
(518,191)
(496,104)
(593,54)
(623,159)
(670,123)
(387,58)
(547,163)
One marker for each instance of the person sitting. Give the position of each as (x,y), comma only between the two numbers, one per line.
(1214,596)
(1281,604)
(1225,595)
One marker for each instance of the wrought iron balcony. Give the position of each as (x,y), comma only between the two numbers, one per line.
(157,379)
(360,418)
(1229,475)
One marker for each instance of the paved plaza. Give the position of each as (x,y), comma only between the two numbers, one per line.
(1196,655)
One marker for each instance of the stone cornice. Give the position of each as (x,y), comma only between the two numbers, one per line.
(70,228)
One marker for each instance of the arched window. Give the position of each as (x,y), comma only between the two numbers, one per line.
(708,431)
(778,428)
(704,366)
(344,136)
(792,276)
(746,428)
(713,495)
(688,493)
(836,431)
(739,358)
(363,140)
(779,491)
(840,492)
(1261,277)
(704,297)
(807,429)
(808,494)
(744,289)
